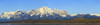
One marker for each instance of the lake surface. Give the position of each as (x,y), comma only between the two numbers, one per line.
(49,23)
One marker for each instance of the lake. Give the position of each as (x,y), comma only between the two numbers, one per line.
(49,23)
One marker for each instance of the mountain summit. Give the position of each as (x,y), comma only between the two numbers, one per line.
(45,10)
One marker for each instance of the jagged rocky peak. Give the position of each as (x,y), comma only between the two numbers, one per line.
(45,10)
(7,15)
(32,10)
(18,10)
(55,9)
(64,12)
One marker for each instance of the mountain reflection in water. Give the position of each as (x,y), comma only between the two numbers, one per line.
(49,23)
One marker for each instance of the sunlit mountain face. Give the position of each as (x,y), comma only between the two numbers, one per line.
(43,13)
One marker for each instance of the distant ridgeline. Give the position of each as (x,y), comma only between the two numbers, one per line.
(43,13)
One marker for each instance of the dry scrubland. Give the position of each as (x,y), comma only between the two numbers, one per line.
(81,20)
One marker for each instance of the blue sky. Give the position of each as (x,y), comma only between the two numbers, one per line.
(71,6)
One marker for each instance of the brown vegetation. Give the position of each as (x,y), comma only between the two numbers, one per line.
(81,20)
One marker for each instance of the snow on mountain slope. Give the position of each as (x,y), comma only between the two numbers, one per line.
(61,12)
(33,12)
(73,14)
(41,11)
(95,14)
(7,15)
(45,10)
(18,14)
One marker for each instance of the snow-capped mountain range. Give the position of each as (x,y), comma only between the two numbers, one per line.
(42,13)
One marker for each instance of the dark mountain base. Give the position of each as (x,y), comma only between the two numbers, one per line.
(81,20)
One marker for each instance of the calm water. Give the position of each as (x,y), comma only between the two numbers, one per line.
(49,23)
